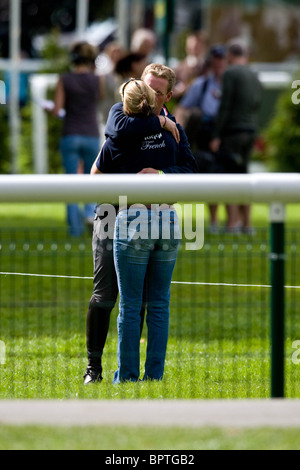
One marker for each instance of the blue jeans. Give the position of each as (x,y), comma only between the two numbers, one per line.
(135,257)
(76,149)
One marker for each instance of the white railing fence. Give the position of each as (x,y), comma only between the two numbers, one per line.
(276,190)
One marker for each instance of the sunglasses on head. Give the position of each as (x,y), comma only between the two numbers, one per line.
(136,80)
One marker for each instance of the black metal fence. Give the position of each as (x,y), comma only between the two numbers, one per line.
(220,335)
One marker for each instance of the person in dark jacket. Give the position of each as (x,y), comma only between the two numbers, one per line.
(197,112)
(236,122)
(128,132)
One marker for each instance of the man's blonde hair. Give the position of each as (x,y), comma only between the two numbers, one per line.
(161,71)
(138,98)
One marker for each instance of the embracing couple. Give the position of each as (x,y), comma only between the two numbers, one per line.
(141,138)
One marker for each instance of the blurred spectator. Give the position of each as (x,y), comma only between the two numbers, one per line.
(144,41)
(130,66)
(107,60)
(197,113)
(106,64)
(236,122)
(194,63)
(119,65)
(78,92)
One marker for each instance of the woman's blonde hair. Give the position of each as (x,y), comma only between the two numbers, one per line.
(138,98)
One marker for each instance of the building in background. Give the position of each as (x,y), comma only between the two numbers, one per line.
(271,28)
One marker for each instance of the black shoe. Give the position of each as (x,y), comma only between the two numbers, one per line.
(92,375)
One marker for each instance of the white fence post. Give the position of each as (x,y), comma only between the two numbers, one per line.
(14,115)
(2,353)
(2,93)
(39,85)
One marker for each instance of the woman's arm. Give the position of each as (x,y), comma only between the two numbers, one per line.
(120,126)
(170,126)
(185,161)
(59,99)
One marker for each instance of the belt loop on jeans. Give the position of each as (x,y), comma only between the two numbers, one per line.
(156,207)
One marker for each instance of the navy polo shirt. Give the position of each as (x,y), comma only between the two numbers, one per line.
(136,143)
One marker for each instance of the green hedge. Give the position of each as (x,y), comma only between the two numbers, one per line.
(283,136)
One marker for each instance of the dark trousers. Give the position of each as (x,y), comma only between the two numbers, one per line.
(105,292)
(240,143)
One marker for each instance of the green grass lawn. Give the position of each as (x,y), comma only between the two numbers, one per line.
(219,343)
(219,335)
(146,438)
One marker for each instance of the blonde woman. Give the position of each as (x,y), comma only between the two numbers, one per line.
(79,92)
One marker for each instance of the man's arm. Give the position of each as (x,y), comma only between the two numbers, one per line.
(59,99)
(103,163)
(94,170)
(186,162)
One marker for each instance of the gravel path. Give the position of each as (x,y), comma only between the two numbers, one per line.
(190,413)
